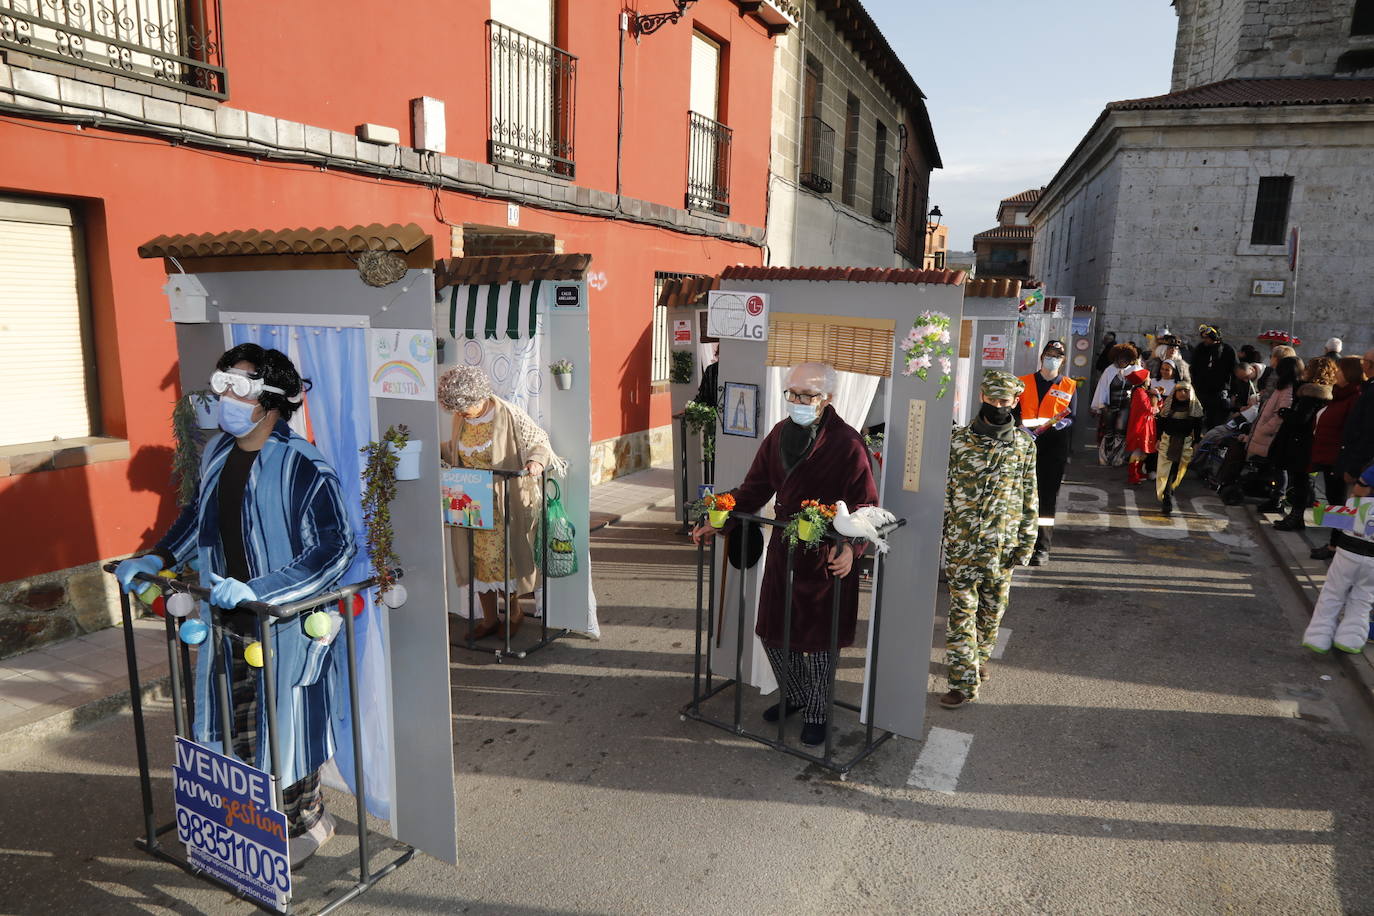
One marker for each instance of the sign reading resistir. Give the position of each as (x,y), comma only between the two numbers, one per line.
(226,819)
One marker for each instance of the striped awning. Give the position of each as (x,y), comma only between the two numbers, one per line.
(482,311)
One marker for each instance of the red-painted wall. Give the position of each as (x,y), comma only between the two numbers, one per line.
(306,62)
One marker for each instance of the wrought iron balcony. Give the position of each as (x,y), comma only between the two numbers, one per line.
(174,42)
(882,196)
(533,86)
(818,154)
(708,165)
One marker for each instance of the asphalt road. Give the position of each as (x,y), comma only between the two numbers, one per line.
(1153,741)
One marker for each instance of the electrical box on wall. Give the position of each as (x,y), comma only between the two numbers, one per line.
(187,297)
(427,124)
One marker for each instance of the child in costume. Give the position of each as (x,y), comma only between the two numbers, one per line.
(1140,427)
(1180,428)
(1341,615)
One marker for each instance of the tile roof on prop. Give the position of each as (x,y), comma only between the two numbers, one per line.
(521,268)
(1006,234)
(339,239)
(992,288)
(1261,92)
(686,290)
(850,274)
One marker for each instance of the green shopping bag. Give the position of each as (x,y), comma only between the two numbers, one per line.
(561,558)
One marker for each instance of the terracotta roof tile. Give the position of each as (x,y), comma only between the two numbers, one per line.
(1251,93)
(1006,234)
(992,288)
(685,290)
(504,268)
(1025,197)
(372,237)
(851,274)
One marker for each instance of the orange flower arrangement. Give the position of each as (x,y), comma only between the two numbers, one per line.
(725,502)
(809,526)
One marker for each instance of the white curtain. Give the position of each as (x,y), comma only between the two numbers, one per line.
(854,395)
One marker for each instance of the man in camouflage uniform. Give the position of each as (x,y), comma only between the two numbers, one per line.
(991,512)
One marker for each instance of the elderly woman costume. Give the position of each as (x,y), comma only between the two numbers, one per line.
(813,454)
(490,433)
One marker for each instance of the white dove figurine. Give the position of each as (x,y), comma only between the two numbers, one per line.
(863,523)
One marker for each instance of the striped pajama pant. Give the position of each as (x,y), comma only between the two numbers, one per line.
(302,801)
(805,681)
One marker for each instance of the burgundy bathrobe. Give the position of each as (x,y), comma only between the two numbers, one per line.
(837,467)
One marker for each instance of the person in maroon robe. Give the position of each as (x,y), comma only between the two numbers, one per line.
(813,454)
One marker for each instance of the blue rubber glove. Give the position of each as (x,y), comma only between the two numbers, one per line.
(125,571)
(227,593)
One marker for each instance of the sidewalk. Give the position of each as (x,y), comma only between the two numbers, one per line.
(65,685)
(1290,551)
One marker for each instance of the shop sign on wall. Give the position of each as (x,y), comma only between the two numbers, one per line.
(740,316)
(682,332)
(400,364)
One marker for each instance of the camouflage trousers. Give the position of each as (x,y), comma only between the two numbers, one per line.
(976,604)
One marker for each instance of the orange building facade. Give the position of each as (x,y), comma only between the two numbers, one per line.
(263,115)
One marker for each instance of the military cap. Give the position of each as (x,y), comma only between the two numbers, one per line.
(999,384)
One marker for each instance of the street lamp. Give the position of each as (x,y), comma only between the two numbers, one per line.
(935,215)
(932,226)
(647,25)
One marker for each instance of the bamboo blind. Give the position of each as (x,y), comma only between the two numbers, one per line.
(862,345)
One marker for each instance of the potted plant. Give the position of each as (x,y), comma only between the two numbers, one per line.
(718,508)
(562,374)
(809,525)
(680,367)
(379,489)
(701,419)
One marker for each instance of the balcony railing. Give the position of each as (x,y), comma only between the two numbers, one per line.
(883,187)
(1014,269)
(532,93)
(708,165)
(818,154)
(168,42)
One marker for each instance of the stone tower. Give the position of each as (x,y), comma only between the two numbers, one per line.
(1226,39)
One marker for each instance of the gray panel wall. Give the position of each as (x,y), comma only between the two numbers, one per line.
(911,571)
(423,810)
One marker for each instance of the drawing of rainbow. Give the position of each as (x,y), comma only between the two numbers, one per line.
(399,375)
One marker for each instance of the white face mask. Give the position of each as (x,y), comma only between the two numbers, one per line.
(1051,364)
(236,417)
(803,414)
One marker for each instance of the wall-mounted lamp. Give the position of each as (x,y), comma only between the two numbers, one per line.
(648,25)
(933,219)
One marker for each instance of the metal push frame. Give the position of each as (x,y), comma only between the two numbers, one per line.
(506,651)
(703,689)
(179,662)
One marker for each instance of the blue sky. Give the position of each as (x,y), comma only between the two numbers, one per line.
(1013,85)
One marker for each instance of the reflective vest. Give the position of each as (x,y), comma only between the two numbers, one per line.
(1056,400)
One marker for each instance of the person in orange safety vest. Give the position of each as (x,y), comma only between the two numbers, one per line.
(1048,405)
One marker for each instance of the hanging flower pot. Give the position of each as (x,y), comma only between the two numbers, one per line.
(718,517)
(408,460)
(806,530)
(718,507)
(562,374)
(206,406)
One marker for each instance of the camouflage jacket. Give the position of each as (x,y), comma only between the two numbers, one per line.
(991,507)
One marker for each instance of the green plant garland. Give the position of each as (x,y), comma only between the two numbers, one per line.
(701,419)
(379,489)
(186,456)
(680,369)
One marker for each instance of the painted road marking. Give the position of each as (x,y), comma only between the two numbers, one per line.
(1086,507)
(1003,634)
(941,761)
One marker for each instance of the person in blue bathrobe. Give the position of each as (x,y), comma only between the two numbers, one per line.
(269,525)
